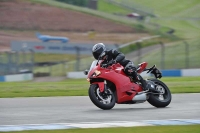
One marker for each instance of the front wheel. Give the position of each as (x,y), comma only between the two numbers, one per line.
(102,100)
(164,98)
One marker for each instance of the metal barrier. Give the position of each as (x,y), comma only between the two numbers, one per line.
(16,62)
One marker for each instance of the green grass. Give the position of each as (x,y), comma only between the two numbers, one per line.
(110,8)
(183,84)
(79,87)
(174,14)
(40,57)
(187,29)
(149,129)
(43,89)
(171,7)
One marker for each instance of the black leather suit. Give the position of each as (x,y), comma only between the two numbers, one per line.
(118,57)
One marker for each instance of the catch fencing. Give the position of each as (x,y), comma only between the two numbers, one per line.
(79,56)
(180,55)
(16,62)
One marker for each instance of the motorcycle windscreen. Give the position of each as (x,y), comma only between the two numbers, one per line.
(94,63)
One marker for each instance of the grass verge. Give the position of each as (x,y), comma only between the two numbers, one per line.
(79,87)
(153,129)
(183,19)
(183,84)
(108,7)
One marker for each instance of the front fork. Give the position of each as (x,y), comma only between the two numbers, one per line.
(102,86)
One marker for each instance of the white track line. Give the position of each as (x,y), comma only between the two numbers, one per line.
(54,126)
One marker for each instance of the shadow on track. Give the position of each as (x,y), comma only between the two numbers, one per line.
(128,109)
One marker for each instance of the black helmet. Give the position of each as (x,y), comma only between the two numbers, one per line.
(98,49)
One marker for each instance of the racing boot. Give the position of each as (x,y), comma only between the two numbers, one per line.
(146,85)
(149,86)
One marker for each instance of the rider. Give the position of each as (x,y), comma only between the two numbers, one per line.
(113,56)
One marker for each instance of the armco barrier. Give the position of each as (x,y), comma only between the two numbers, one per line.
(77,75)
(181,73)
(16,77)
(190,72)
(171,73)
(165,73)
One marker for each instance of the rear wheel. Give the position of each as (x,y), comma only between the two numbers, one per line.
(164,98)
(102,100)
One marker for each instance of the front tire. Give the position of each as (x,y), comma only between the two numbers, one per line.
(100,99)
(163,99)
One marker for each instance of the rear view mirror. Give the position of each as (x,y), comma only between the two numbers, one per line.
(86,72)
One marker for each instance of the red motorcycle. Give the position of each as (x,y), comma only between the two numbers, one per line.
(110,85)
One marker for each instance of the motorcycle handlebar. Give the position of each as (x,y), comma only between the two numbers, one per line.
(106,66)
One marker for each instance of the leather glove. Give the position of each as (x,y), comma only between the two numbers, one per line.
(104,65)
(111,62)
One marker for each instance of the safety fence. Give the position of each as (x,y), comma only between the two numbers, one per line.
(17,77)
(16,62)
(165,73)
(179,55)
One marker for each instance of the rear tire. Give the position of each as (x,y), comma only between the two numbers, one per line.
(100,99)
(160,100)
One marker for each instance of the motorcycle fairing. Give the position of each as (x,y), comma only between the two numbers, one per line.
(126,90)
(142,66)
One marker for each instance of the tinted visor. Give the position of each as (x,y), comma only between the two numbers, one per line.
(97,53)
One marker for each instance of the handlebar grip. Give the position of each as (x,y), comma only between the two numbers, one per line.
(150,69)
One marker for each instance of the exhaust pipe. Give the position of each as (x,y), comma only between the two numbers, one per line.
(140,98)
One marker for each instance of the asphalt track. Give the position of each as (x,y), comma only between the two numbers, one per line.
(46,110)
